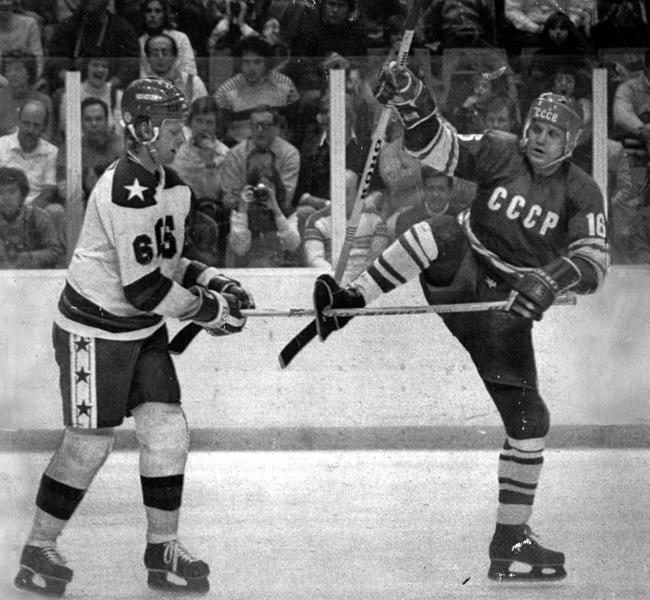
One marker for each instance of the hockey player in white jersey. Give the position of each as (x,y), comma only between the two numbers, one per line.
(125,277)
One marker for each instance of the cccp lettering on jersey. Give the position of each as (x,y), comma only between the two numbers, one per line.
(545,114)
(517,209)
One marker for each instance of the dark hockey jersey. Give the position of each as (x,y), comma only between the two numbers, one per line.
(126,271)
(519,219)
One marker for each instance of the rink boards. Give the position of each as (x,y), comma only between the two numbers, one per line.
(383,382)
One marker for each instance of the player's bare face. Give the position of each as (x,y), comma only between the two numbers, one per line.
(170,139)
(253,68)
(545,145)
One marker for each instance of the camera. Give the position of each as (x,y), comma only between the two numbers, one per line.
(260,192)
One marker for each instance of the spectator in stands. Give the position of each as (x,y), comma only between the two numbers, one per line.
(622,24)
(370,239)
(45,13)
(162,60)
(631,107)
(469,117)
(272,35)
(378,16)
(232,28)
(313,191)
(129,10)
(28,236)
(260,233)
(292,16)
(199,161)
(92,26)
(100,147)
(333,41)
(268,153)
(525,20)
(20,32)
(156,18)
(256,83)
(96,82)
(399,177)
(200,158)
(501,114)
(561,43)
(193,18)
(441,194)
(27,150)
(20,71)
(460,23)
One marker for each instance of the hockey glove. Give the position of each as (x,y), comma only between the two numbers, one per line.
(537,289)
(401,88)
(218,314)
(226,285)
(329,294)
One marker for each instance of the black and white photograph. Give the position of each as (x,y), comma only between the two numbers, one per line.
(325,299)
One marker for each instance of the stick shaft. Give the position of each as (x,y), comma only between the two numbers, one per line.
(378,137)
(380,311)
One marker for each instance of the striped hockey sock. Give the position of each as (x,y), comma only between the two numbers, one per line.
(520,465)
(404,259)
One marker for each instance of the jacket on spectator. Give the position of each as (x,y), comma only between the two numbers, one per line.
(31,241)
(317,41)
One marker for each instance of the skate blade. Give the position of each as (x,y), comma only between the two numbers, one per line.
(503,571)
(33,582)
(166,581)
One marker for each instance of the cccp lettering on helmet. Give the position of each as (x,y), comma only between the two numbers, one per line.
(547,114)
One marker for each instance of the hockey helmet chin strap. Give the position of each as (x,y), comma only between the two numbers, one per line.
(145,133)
(555,110)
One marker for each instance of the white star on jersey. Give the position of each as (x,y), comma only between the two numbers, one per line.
(135,190)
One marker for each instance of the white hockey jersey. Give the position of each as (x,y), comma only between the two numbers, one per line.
(126,271)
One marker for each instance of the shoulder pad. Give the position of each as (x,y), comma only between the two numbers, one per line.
(133,185)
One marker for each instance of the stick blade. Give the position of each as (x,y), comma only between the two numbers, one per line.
(183,338)
(296,344)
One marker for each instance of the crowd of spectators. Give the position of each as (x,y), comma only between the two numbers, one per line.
(255,73)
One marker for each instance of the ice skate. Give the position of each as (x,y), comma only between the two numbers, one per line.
(520,546)
(172,567)
(43,570)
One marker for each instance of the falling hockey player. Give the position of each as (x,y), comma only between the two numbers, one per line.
(535,229)
(110,341)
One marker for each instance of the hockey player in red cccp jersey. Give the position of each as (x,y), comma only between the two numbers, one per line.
(127,274)
(535,229)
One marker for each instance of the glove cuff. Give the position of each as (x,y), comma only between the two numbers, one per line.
(192,273)
(213,310)
(562,274)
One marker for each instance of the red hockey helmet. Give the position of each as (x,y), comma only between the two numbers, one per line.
(151,100)
(559,111)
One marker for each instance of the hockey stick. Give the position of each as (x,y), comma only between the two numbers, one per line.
(308,333)
(181,340)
